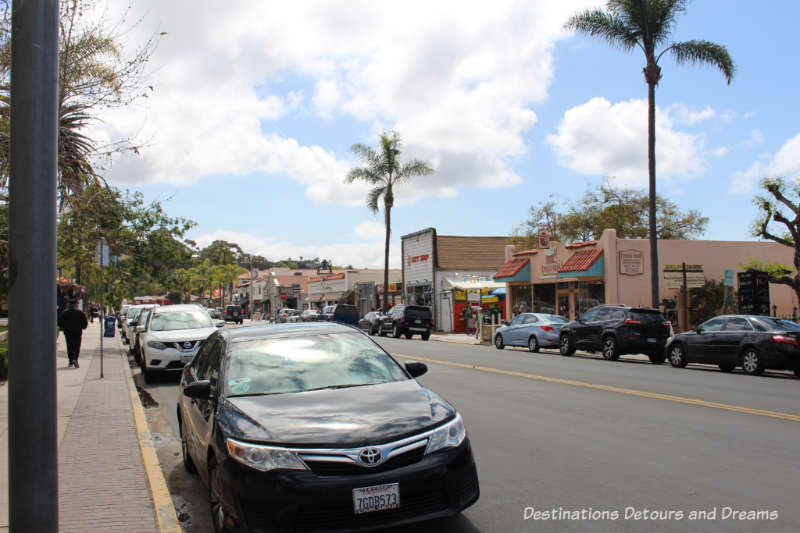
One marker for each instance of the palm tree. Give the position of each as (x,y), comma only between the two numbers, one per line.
(231,274)
(647,24)
(202,277)
(383,171)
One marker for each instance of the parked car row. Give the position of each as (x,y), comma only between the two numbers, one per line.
(401,320)
(754,343)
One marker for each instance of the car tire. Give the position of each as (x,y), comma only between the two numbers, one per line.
(149,377)
(425,336)
(381,333)
(677,356)
(797,372)
(752,364)
(396,332)
(727,367)
(219,517)
(610,349)
(498,342)
(565,346)
(533,344)
(188,463)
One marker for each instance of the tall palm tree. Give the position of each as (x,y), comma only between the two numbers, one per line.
(231,275)
(384,171)
(647,24)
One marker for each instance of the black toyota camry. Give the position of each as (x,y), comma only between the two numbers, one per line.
(315,427)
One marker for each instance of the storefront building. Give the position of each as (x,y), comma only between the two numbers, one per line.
(433,264)
(569,279)
(357,287)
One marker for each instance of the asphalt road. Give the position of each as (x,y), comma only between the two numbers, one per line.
(603,446)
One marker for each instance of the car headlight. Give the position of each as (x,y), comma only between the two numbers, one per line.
(450,435)
(157,345)
(264,458)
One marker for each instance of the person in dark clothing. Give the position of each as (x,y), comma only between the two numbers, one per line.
(72,323)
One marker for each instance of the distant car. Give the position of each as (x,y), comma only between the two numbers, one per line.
(233,313)
(534,330)
(371,322)
(616,330)
(345,314)
(172,337)
(295,316)
(409,320)
(136,329)
(309,315)
(309,427)
(755,343)
(326,314)
(131,321)
(284,314)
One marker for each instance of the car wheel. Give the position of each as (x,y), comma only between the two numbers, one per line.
(533,344)
(752,363)
(797,372)
(425,336)
(610,351)
(371,331)
(149,377)
(677,356)
(396,332)
(381,333)
(188,464)
(727,367)
(564,346)
(219,518)
(498,342)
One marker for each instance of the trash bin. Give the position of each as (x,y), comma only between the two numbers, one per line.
(110,324)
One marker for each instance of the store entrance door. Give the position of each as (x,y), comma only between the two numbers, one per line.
(563,305)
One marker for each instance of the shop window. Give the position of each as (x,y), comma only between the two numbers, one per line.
(590,294)
(544,299)
(521,298)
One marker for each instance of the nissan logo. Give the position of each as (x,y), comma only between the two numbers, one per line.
(187,345)
(370,456)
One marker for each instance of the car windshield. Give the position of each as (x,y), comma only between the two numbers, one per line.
(779,323)
(296,364)
(173,320)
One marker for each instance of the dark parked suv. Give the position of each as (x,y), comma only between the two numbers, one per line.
(233,313)
(616,330)
(342,313)
(409,320)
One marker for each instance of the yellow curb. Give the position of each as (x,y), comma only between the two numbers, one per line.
(164,508)
(618,390)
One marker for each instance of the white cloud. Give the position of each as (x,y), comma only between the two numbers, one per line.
(458,83)
(602,138)
(722,151)
(359,254)
(784,163)
(756,137)
(684,115)
(369,230)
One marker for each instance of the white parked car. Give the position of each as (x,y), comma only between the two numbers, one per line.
(172,336)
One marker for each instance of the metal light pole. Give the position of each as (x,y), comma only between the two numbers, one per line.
(32,421)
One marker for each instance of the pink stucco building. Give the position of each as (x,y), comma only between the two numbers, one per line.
(568,279)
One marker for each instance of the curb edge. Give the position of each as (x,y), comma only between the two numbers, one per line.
(162,501)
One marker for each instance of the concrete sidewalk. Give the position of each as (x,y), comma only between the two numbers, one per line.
(108,474)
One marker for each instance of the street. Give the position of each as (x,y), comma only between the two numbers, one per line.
(579,443)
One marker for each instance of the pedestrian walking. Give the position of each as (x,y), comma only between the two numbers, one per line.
(72,323)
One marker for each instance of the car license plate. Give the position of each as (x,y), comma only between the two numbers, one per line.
(650,339)
(418,321)
(377,498)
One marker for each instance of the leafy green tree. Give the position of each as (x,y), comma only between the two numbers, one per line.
(221,252)
(384,171)
(231,275)
(202,277)
(180,281)
(647,25)
(779,221)
(623,209)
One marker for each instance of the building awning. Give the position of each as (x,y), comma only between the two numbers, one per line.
(518,269)
(474,285)
(316,297)
(583,263)
(331,296)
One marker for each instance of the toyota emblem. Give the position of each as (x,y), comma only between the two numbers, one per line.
(370,456)
(187,345)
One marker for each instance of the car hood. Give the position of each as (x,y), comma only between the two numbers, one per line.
(176,335)
(335,418)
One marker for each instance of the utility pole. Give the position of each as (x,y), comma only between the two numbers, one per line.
(32,420)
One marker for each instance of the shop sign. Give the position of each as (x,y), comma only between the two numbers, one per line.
(679,268)
(418,259)
(544,239)
(631,262)
(283,296)
(473,296)
(674,280)
(728,279)
(460,296)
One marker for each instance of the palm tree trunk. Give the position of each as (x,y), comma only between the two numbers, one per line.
(388,211)
(651,159)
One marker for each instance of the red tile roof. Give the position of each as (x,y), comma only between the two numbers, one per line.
(581,260)
(511,268)
(580,244)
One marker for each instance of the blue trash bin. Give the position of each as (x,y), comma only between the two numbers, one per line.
(110,325)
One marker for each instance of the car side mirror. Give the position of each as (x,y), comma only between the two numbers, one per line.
(199,390)
(220,323)
(416,369)
(698,330)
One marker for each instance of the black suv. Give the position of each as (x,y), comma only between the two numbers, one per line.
(409,320)
(615,330)
(233,313)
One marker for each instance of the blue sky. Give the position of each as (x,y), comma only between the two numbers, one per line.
(254,110)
